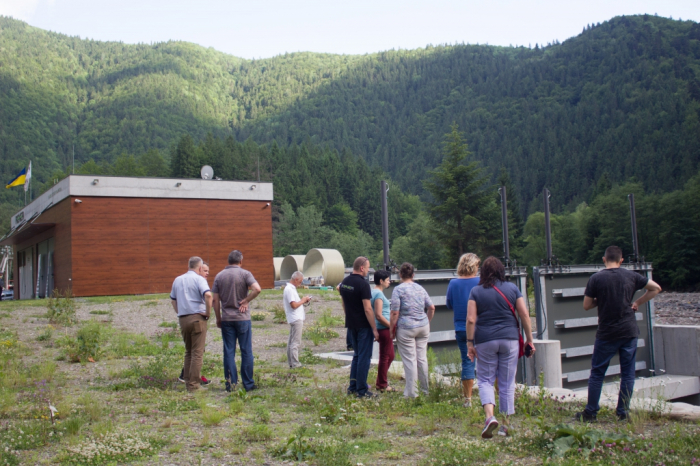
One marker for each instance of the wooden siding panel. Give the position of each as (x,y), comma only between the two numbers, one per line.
(134,245)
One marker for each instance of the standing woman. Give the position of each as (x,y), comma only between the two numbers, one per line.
(411,313)
(493,337)
(457,298)
(380,305)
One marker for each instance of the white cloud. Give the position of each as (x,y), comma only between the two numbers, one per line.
(19,9)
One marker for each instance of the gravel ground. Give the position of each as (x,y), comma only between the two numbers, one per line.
(677,308)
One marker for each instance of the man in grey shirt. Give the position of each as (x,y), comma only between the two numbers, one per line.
(192,300)
(231,301)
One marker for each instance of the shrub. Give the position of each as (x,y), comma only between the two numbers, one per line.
(46,335)
(308,357)
(212,415)
(158,373)
(328,320)
(278,314)
(85,345)
(318,334)
(61,308)
(258,316)
(257,433)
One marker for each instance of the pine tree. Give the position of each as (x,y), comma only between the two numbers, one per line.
(184,163)
(462,207)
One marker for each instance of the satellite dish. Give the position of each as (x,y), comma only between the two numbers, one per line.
(207,172)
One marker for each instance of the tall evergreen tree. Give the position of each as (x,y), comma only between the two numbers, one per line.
(461,206)
(185,161)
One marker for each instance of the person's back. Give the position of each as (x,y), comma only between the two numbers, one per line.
(231,284)
(353,290)
(614,288)
(495,318)
(412,301)
(458,292)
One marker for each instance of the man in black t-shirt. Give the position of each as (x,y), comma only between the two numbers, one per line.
(612,290)
(359,320)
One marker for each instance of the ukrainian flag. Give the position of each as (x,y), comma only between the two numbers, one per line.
(19,179)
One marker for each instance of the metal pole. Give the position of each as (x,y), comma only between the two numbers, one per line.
(504,218)
(385,225)
(633,218)
(547,226)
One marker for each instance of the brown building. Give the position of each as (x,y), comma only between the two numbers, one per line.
(104,235)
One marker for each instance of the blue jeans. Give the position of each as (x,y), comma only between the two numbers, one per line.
(362,340)
(603,352)
(467,364)
(241,331)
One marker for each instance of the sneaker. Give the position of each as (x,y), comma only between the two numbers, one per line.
(368,394)
(623,417)
(254,387)
(182,376)
(489,427)
(231,388)
(205,381)
(583,416)
(467,403)
(503,431)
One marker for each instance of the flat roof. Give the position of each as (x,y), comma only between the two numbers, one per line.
(121,186)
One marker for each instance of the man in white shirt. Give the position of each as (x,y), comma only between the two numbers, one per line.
(294,308)
(192,300)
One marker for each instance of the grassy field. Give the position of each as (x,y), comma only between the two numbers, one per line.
(109,367)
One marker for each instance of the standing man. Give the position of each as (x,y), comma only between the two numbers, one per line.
(294,308)
(204,272)
(192,300)
(231,301)
(612,290)
(359,320)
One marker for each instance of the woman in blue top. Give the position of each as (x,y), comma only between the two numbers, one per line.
(457,299)
(380,305)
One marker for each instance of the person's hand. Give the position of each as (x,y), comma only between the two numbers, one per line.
(218,323)
(376,334)
(471,353)
(243,306)
(308,299)
(635,306)
(532,346)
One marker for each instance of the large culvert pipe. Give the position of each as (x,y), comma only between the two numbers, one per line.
(277,263)
(291,264)
(326,263)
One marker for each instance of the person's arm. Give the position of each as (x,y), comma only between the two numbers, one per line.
(217,308)
(301,302)
(174,303)
(448,297)
(652,289)
(471,325)
(429,306)
(366,303)
(525,321)
(245,302)
(394,316)
(589,303)
(378,307)
(207,304)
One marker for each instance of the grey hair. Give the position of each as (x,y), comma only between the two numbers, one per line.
(297,275)
(236,257)
(195,262)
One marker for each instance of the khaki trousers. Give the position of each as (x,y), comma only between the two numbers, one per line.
(294,343)
(413,348)
(194,333)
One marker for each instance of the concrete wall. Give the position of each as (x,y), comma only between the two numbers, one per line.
(677,349)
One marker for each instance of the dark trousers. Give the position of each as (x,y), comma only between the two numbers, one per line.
(362,340)
(467,364)
(241,331)
(603,352)
(386,357)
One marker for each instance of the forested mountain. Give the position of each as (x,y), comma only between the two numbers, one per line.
(622,98)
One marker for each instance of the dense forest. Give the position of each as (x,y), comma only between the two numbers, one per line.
(615,109)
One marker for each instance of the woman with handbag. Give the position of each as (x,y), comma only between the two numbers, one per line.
(494,338)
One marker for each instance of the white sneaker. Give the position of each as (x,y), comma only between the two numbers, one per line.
(489,427)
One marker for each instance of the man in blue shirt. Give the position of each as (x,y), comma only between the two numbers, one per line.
(192,301)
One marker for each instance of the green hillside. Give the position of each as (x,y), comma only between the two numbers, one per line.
(621,98)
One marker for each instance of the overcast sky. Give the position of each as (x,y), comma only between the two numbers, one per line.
(264,28)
